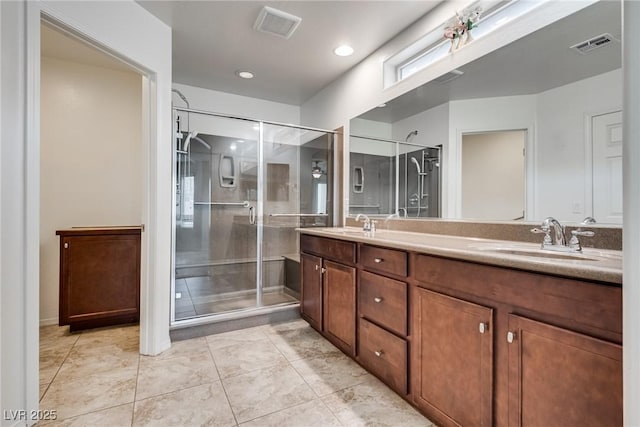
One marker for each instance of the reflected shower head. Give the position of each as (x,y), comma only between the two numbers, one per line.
(194,135)
(411,134)
(415,162)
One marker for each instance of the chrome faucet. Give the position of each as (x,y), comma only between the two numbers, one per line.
(396,214)
(559,241)
(558,230)
(366,224)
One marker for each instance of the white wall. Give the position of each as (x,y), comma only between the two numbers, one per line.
(631,227)
(91,158)
(562,149)
(124,28)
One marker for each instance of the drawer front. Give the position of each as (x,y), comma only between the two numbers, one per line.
(383,301)
(337,250)
(384,354)
(385,261)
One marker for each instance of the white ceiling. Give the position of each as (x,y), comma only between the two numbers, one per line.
(214,39)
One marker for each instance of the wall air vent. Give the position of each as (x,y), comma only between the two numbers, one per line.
(594,43)
(446,78)
(276,22)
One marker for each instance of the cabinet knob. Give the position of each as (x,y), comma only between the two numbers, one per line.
(378,260)
(511,336)
(378,353)
(323,270)
(378,299)
(317,267)
(483,327)
(66,246)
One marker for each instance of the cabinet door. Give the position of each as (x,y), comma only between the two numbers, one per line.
(559,377)
(452,359)
(311,295)
(340,305)
(100,280)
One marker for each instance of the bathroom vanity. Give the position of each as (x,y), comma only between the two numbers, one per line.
(99,276)
(473,332)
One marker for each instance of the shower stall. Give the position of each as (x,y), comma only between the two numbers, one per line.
(241,188)
(388,177)
(419,182)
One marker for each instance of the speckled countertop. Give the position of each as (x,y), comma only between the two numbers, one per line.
(592,264)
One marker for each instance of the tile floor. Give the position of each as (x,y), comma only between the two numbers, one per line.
(276,375)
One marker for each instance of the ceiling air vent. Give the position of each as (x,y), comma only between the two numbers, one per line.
(594,43)
(446,78)
(276,22)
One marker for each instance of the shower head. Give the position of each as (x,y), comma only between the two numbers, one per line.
(411,134)
(415,162)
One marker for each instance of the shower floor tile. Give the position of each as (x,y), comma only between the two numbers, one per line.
(203,295)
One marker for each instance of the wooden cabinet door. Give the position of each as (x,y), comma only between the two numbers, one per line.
(563,378)
(340,305)
(99,280)
(311,295)
(452,359)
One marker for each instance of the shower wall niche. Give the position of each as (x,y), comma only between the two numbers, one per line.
(241,189)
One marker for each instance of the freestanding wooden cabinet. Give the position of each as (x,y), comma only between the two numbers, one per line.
(99,276)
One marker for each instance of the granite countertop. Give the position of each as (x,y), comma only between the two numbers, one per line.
(592,264)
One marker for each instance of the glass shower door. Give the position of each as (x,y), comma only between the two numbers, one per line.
(296,192)
(216,192)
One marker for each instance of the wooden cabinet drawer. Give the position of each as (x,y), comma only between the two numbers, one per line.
(385,261)
(384,354)
(383,301)
(337,250)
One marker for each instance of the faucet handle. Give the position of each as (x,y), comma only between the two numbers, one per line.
(547,235)
(574,243)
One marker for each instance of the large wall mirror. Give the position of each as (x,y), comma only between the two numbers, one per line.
(530,130)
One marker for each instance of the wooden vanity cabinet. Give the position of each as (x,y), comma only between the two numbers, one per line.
(382,315)
(311,293)
(452,359)
(99,276)
(328,297)
(559,377)
(470,344)
(556,353)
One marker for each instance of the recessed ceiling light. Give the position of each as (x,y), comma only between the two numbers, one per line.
(382,105)
(233,146)
(244,74)
(343,50)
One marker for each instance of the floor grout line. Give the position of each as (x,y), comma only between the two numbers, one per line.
(215,365)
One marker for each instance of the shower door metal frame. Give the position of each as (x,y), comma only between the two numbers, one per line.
(258,309)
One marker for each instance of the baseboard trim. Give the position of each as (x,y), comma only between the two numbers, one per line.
(49,322)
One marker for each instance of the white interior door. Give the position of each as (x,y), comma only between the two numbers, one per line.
(607,167)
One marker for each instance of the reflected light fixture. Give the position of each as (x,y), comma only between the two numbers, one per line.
(344,50)
(317,171)
(244,74)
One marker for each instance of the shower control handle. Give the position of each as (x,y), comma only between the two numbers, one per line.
(252,215)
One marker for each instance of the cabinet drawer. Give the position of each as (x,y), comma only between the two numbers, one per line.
(337,250)
(383,301)
(385,261)
(384,354)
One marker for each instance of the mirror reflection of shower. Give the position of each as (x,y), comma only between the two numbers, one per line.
(420,196)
